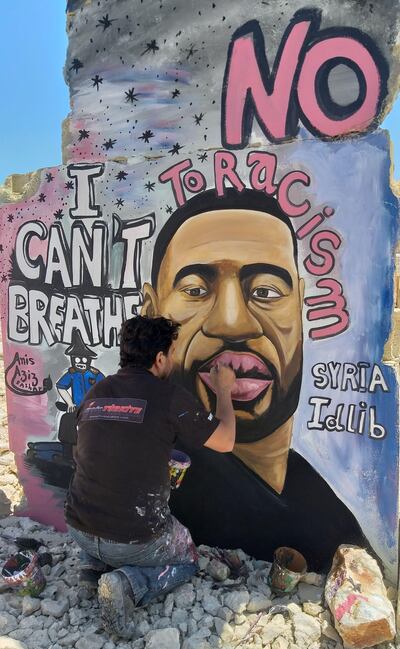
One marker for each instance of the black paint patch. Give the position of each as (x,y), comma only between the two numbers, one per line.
(126,409)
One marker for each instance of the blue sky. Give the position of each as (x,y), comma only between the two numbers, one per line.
(34,98)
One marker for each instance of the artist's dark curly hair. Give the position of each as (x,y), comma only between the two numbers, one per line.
(142,338)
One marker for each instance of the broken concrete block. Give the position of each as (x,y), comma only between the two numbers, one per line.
(356,596)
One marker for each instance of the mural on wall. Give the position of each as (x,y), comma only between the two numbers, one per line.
(229,174)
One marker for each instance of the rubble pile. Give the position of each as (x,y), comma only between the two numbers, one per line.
(218,608)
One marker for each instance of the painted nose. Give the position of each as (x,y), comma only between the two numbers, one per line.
(230,317)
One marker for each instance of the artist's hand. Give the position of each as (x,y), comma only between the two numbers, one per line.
(223,377)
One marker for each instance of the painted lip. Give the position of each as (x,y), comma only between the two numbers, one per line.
(252,374)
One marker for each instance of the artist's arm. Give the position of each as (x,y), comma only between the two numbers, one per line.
(223,438)
(65,396)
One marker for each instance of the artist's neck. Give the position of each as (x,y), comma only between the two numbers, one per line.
(268,457)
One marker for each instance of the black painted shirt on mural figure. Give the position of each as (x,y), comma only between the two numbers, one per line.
(127,427)
(227,505)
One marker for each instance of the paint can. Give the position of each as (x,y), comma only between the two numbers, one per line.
(287,569)
(178,464)
(22,572)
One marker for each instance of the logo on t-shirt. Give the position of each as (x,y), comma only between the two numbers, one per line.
(124,409)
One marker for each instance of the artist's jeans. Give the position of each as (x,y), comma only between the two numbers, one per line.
(153,568)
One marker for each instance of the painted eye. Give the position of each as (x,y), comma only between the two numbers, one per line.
(77,359)
(263,294)
(195,291)
(84,360)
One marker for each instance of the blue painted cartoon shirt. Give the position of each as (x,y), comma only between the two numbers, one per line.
(79,382)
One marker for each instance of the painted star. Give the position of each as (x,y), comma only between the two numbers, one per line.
(10,218)
(83,134)
(168,209)
(42,198)
(202,156)
(150,186)
(198,118)
(76,65)
(175,93)
(69,185)
(105,22)
(190,50)
(4,277)
(151,47)
(97,81)
(131,95)
(58,214)
(175,149)
(119,202)
(108,144)
(121,175)
(49,177)
(146,135)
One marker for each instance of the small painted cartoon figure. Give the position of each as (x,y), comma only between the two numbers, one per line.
(80,377)
(72,387)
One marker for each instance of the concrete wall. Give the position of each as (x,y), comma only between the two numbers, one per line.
(224,134)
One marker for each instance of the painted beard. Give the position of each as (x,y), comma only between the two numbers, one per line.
(254,378)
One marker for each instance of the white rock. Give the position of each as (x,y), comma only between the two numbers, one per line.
(225,613)
(307,629)
(179,615)
(7,622)
(237,601)
(54,608)
(310,593)
(184,596)
(313,578)
(91,641)
(218,570)
(312,609)
(329,631)
(202,633)
(273,628)
(211,604)
(197,612)
(69,639)
(168,604)
(281,643)
(196,643)
(30,605)
(223,629)
(203,562)
(10,643)
(38,640)
(192,627)
(163,639)
(143,627)
(258,602)
(356,595)
(31,622)
(241,631)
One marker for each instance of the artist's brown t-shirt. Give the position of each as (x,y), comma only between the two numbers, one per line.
(127,427)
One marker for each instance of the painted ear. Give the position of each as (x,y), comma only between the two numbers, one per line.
(150,302)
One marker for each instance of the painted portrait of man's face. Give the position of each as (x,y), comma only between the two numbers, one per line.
(230,278)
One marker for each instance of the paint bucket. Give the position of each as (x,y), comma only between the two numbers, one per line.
(178,464)
(22,572)
(287,569)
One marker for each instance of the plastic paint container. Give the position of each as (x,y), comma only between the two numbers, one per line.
(22,572)
(287,569)
(178,465)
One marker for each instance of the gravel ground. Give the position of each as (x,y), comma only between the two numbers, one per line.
(235,613)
